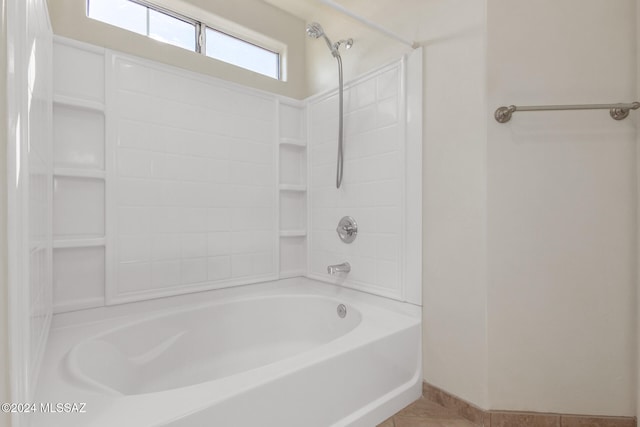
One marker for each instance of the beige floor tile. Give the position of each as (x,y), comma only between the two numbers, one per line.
(426,422)
(514,419)
(387,423)
(577,421)
(428,409)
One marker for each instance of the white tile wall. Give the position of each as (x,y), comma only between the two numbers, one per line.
(191,189)
(194,182)
(373,185)
(29,182)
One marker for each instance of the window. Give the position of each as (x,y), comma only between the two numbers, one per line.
(121,13)
(171,30)
(241,53)
(178,30)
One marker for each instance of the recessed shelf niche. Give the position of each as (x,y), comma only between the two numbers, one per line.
(78,137)
(79,205)
(293,190)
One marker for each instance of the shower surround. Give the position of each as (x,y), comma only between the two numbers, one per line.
(169,183)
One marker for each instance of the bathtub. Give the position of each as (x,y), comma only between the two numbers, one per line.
(289,353)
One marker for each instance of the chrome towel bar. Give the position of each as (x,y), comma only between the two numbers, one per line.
(617,111)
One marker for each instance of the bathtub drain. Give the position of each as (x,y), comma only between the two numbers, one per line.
(342,310)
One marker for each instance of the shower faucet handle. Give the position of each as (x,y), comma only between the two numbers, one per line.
(347,229)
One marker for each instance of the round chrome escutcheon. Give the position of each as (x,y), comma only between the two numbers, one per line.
(347,229)
(342,310)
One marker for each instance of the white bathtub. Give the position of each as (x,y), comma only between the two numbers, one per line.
(273,354)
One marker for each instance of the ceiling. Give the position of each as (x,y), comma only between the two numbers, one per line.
(306,10)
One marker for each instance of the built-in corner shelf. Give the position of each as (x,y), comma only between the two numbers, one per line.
(293,156)
(78,243)
(293,142)
(293,187)
(293,233)
(84,104)
(80,173)
(80,157)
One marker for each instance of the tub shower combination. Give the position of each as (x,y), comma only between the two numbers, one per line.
(239,290)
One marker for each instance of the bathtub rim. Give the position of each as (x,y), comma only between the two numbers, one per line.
(196,300)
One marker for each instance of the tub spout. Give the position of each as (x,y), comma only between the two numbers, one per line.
(345,267)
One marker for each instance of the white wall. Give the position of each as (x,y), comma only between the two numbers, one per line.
(454,213)
(29,192)
(69,20)
(561,208)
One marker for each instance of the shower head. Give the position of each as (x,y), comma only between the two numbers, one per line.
(346,43)
(314,30)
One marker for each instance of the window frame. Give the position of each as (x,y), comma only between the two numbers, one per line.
(200,29)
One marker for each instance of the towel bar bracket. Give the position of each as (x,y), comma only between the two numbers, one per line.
(503,114)
(619,113)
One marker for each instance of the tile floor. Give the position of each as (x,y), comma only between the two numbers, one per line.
(425,413)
